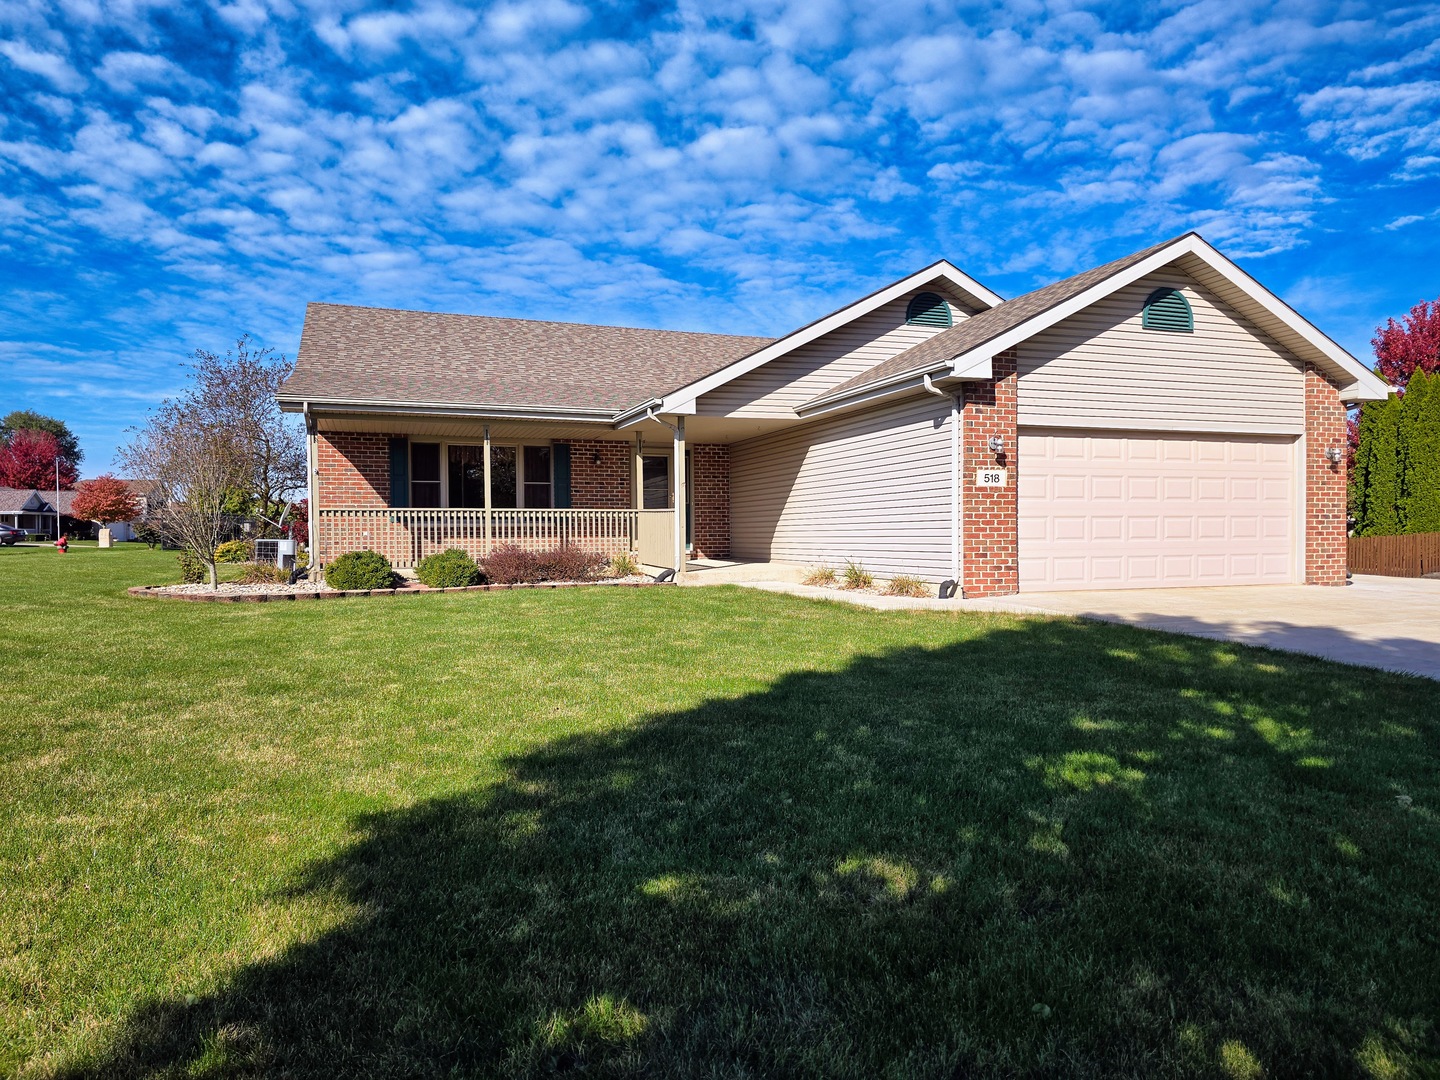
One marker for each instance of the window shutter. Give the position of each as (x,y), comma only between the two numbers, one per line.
(1167,309)
(400,473)
(927,309)
(560,462)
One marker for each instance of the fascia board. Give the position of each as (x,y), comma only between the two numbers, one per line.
(673,401)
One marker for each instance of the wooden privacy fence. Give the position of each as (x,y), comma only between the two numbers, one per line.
(1413,555)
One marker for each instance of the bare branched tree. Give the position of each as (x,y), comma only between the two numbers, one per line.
(237,392)
(195,463)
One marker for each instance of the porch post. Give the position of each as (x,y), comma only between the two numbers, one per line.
(488,533)
(680,496)
(637,480)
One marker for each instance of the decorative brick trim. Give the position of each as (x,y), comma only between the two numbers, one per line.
(710,492)
(990,523)
(152,592)
(1325,481)
(601,473)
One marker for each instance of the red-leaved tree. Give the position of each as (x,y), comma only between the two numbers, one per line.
(1402,347)
(105,499)
(27,460)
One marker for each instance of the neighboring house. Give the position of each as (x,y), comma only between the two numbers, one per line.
(27,509)
(1163,420)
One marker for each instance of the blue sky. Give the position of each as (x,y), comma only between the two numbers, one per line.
(172,175)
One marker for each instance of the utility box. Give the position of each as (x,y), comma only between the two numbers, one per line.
(285,554)
(104,538)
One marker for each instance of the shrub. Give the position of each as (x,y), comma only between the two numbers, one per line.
(192,570)
(511,565)
(622,565)
(236,551)
(905,585)
(823,576)
(360,570)
(148,534)
(448,569)
(263,574)
(857,577)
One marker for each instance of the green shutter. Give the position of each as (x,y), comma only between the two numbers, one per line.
(1167,309)
(927,309)
(400,473)
(560,461)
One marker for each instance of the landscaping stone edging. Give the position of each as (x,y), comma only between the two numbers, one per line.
(152,592)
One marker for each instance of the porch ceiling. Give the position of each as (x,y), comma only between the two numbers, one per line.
(699,429)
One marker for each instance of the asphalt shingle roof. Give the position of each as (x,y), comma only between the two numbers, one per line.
(420,357)
(988,325)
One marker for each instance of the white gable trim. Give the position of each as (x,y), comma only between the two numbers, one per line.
(683,399)
(1364,384)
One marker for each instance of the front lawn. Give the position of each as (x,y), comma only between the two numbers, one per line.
(703,832)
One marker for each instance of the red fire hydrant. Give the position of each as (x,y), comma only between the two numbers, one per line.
(62,545)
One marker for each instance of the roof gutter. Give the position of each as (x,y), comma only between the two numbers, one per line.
(635,414)
(440,408)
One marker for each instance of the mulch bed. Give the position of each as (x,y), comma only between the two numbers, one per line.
(261,594)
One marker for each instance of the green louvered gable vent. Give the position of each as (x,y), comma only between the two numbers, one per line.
(927,309)
(1167,309)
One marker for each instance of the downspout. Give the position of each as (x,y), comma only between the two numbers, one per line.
(952,587)
(678,466)
(311,485)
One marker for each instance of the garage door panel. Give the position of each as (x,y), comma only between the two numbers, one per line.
(1105,511)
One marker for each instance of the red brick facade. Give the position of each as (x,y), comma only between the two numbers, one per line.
(990,520)
(1325,506)
(601,472)
(710,472)
(354,469)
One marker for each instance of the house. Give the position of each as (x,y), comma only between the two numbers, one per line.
(34,511)
(27,509)
(1162,420)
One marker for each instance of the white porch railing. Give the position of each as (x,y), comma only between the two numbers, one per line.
(407,536)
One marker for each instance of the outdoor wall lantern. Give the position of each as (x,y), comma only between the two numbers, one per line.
(997,444)
(1334,454)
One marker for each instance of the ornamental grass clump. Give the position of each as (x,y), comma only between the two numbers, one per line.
(360,570)
(448,569)
(622,565)
(263,574)
(906,585)
(857,577)
(821,576)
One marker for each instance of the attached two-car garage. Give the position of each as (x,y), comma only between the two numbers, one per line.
(1113,510)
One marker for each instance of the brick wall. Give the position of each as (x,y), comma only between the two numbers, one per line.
(353,470)
(601,473)
(1325,508)
(990,516)
(710,534)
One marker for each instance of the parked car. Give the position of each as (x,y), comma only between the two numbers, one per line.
(9,534)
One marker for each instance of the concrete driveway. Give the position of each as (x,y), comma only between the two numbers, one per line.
(1382,622)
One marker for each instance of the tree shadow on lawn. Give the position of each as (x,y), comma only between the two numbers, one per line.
(1057,848)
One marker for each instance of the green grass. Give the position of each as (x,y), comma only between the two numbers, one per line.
(701,832)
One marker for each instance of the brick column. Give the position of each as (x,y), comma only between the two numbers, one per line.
(600,473)
(710,496)
(989,516)
(1325,482)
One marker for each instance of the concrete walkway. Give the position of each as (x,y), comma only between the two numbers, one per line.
(1388,623)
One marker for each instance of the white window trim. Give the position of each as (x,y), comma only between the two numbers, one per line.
(518,444)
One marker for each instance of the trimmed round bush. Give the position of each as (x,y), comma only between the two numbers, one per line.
(360,570)
(448,569)
(236,551)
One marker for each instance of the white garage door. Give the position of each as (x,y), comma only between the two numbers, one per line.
(1103,511)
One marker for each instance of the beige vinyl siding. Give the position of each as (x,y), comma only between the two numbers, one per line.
(871,486)
(775,389)
(1101,368)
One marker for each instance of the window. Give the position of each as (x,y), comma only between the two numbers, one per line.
(1167,309)
(928,309)
(503,490)
(537,476)
(467,476)
(424,474)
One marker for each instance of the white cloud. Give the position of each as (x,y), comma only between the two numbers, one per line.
(50,66)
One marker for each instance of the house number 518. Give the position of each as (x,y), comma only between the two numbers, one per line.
(990,477)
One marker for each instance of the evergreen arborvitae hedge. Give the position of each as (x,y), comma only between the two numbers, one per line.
(1420,454)
(1378,509)
(1395,482)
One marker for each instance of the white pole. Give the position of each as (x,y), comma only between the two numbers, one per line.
(955,488)
(57,498)
(680,496)
(488,526)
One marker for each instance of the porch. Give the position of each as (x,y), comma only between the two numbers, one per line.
(405,536)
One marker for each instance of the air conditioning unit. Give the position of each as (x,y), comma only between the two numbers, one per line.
(280,552)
